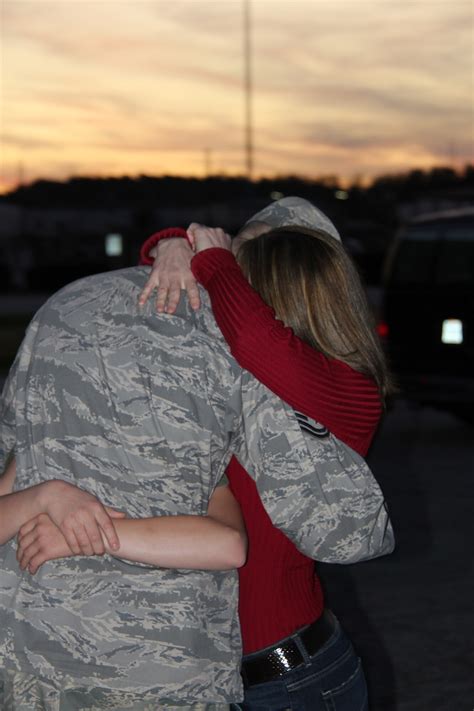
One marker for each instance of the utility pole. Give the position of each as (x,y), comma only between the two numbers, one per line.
(248,91)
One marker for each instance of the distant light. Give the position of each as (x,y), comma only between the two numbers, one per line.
(275,195)
(341,195)
(382,329)
(451,331)
(113,245)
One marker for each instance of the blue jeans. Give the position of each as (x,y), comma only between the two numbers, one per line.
(330,680)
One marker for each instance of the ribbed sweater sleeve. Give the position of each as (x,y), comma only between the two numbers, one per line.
(152,241)
(344,400)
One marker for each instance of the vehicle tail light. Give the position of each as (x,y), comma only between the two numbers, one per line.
(382,329)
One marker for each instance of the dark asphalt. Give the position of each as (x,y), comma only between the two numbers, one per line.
(411,615)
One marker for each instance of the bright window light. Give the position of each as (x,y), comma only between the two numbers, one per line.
(113,245)
(451,331)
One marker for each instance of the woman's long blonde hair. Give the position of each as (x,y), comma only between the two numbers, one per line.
(312,284)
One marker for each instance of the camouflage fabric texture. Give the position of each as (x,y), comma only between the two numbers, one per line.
(144,411)
(328,503)
(23,692)
(295,212)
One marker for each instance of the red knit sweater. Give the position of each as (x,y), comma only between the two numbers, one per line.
(331,392)
(279,590)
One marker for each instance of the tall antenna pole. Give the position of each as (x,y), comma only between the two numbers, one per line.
(248,92)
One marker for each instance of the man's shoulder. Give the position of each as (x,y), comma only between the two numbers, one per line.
(112,297)
(119,282)
(124,286)
(105,296)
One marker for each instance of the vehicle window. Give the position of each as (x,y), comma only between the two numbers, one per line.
(456,257)
(414,260)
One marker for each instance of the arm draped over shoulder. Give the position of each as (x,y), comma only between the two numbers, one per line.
(345,401)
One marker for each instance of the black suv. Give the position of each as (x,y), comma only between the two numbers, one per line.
(429,310)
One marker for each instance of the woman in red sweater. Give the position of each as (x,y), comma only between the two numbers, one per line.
(324,359)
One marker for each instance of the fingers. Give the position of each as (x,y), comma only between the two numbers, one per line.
(26,555)
(26,552)
(27,527)
(35,563)
(193,292)
(108,529)
(170,274)
(149,287)
(69,534)
(169,294)
(174,295)
(24,543)
(162,297)
(113,513)
(41,540)
(191,231)
(31,553)
(208,237)
(167,297)
(89,539)
(33,557)
(192,241)
(83,532)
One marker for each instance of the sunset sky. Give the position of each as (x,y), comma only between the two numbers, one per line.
(353,88)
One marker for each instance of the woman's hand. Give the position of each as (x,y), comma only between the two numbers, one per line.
(170,273)
(39,540)
(203,237)
(80,517)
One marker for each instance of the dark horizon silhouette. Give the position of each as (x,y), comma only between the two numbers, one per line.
(91,189)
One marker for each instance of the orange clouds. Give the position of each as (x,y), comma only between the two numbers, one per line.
(125,87)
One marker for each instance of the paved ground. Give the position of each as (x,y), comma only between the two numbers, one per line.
(411,615)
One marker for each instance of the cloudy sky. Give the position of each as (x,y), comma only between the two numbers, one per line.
(353,88)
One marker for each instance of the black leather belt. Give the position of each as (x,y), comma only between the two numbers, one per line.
(275,661)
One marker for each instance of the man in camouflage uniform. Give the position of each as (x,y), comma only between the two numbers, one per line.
(144,411)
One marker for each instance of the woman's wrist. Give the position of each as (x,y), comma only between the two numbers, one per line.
(204,264)
(47,491)
(154,239)
(43,493)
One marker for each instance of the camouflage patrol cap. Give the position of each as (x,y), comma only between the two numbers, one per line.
(297,212)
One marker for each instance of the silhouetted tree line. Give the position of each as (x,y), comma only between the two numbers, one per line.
(367,216)
(147,191)
(377,202)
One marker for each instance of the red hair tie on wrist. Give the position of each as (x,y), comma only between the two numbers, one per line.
(152,241)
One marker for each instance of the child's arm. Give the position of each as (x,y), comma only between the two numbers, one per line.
(216,541)
(82,519)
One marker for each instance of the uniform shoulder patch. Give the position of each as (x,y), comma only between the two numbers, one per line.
(311,426)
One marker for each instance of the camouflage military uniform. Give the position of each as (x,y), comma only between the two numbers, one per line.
(144,411)
(24,692)
(292,211)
